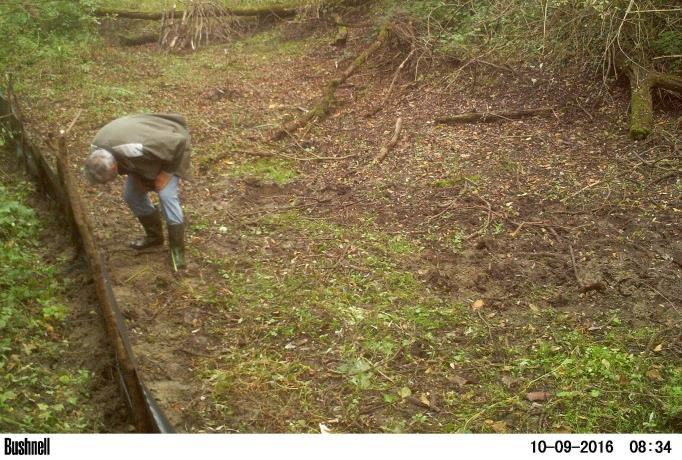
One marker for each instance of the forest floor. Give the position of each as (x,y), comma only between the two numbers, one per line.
(516,276)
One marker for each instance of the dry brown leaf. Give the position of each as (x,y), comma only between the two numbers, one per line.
(458,380)
(499,426)
(477,305)
(654,374)
(537,396)
(509,381)
(425,400)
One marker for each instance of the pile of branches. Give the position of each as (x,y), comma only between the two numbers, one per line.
(201,22)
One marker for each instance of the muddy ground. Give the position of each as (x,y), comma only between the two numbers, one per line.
(432,292)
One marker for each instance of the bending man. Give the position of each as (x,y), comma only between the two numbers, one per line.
(153,150)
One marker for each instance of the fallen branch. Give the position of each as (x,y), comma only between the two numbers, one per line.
(484,117)
(323,105)
(390,88)
(390,144)
(580,191)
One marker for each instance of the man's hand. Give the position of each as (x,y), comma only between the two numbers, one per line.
(162,180)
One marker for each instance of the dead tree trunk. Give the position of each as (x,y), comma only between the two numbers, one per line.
(324,103)
(642,81)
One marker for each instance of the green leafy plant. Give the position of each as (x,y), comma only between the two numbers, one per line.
(35,396)
(40,30)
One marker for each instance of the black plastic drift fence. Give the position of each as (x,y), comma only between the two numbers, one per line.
(60,185)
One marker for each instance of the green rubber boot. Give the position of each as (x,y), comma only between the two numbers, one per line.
(176,241)
(153,231)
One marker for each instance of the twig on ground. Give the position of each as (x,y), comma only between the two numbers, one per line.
(545,225)
(490,332)
(484,229)
(210,125)
(596,286)
(394,140)
(577,104)
(581,190)
(73,122)
(450,205)
(664,296)
(323,105)
(390,88)
(656,337)
(575,267)
(483,117)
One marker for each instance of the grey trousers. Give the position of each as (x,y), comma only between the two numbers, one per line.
(140,204)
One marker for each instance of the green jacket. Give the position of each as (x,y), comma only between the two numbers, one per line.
(147,144)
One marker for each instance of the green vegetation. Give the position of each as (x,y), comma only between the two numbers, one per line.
(39,392)
(353,328)
(586,34)
(267,169)
(57,32)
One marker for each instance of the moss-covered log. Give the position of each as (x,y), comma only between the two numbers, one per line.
(279,11)
(276,11)
(341,32)
(341,36)
(324,104)
(641,103)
